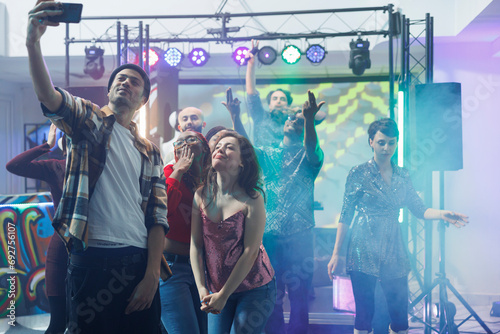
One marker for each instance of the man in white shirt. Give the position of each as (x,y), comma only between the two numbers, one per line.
(112,214)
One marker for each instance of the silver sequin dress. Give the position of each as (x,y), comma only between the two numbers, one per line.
(376,247)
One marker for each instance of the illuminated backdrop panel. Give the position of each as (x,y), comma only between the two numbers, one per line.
(350,108)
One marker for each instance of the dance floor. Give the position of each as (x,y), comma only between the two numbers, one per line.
(322,318)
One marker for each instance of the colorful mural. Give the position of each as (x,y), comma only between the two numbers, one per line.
(41,197)
(25,233)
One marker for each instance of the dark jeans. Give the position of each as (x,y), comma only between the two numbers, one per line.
(246,312)
(396,294)
(293,262)
(99,285)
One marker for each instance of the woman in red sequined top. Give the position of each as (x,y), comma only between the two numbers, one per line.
(180,312)
(233,273)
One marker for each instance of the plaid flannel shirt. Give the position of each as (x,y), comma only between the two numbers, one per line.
(89,131)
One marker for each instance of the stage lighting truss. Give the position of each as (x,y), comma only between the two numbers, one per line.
(267,55)
(315,53)
(172,57)
(132,56)
(291,54)
(239,55)
(198,57)
(94,62)
(359,58)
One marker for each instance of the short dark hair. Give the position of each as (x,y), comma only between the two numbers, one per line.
(385,125)
(138,69)
(213,131)
(288,95)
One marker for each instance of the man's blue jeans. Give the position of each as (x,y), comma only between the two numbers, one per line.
(292,258)
(180,302)
(245,312)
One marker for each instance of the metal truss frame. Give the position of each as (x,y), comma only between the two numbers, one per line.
(417,68)
(214,29)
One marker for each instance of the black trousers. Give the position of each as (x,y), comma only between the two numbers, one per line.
(98,289)
(396,294)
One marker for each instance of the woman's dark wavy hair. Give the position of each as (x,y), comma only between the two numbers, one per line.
(188,178)
(249,178)
(385,125)
(289,98)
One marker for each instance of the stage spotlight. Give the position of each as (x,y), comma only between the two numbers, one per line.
(291,54)
(267,55)
(315,53)
(154,56)
(198,57)
(239,55)
(172,57)
(94,62)
(359,59)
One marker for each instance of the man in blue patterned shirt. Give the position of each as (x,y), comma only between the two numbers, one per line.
(289,174)
(112,214)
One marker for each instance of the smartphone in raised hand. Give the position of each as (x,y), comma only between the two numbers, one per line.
(72,13)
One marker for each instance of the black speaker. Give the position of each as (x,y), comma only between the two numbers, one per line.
(95,94)
(396,24)
(437,114)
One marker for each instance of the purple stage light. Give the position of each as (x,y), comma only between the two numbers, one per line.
(239,55)
(198,57)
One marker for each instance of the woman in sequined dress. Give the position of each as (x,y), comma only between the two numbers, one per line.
(376,190)
(233,273)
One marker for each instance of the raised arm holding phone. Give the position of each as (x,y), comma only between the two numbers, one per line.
(112,214)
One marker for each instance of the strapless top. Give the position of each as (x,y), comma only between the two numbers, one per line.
(223,243)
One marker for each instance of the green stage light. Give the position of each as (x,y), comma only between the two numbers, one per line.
(291,54)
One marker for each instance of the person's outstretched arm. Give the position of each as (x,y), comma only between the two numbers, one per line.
(419,210)
(455,218)
(233,106)
(24,165)
(311,142)
(37,25)
(250,80)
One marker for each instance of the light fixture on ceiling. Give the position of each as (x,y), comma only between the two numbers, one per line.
(154,55)
(359,58)
(198,57)
(172,57)
(239,55)
(267,55)
(94,62)
(291,54)
(315,53)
